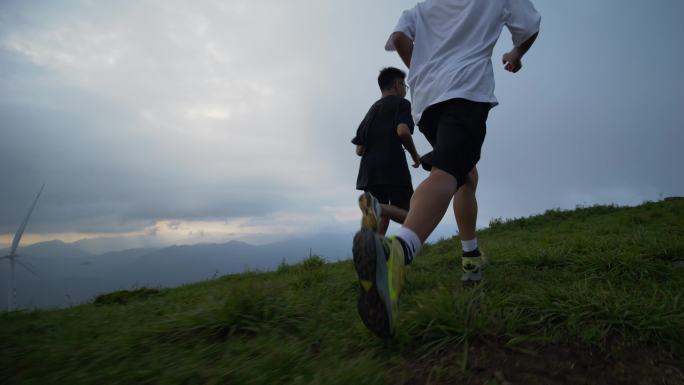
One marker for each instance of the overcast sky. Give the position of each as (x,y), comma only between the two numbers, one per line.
(205,121)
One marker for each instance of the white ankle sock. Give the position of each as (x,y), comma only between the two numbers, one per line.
(470,245)
(410,238)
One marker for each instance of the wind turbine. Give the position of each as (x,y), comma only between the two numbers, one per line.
(12,256)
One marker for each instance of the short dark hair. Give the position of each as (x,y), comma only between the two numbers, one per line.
(388,76)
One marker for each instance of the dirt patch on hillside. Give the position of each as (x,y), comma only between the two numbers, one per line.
(493,363)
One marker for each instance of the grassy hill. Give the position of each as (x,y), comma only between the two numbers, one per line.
(590,296)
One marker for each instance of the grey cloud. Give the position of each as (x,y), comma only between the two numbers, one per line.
(80,131)
(102,176)
(174,225)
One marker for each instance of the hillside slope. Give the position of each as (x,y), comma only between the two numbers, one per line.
(590,296)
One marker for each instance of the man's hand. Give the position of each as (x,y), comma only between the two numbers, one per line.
(404,134)
(416,161)
(512,60)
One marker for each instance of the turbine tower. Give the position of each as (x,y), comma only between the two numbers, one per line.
(12,256)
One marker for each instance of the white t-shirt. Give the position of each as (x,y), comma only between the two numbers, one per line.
(453,43)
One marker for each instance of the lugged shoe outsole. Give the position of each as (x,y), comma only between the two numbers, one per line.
(373,310)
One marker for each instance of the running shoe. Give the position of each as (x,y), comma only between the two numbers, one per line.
(370,212)
(379,264)
(473,267)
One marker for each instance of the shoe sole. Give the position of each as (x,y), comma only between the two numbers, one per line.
(472,276)
(369,219)
(371,269)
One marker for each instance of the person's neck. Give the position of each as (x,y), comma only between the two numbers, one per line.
(389,93)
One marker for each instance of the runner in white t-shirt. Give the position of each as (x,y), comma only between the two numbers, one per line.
(447,45)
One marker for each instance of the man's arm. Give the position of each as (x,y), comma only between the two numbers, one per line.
(512,60)
(404,47)
(357,141)
(407,140)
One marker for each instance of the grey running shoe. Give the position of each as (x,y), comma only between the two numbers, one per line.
(473,267)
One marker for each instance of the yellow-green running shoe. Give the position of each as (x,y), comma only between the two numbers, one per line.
(370,212)
(473,267)
(379,264)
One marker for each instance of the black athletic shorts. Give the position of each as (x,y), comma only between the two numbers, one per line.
(456,129)
(398,196)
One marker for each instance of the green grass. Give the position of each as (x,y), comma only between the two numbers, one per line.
(599,280)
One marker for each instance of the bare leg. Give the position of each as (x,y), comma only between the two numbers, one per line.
(465,207)
(430,202)
(384,223)
(394,213)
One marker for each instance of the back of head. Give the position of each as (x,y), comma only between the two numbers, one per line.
(388,77)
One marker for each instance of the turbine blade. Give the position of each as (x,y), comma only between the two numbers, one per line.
(30,270)
(20,232)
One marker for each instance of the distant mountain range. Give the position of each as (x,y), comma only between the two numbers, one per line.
(70,275)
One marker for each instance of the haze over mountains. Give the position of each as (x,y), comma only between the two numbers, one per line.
(70,275)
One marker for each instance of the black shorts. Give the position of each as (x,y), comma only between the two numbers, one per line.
(398,196)
(456,129)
